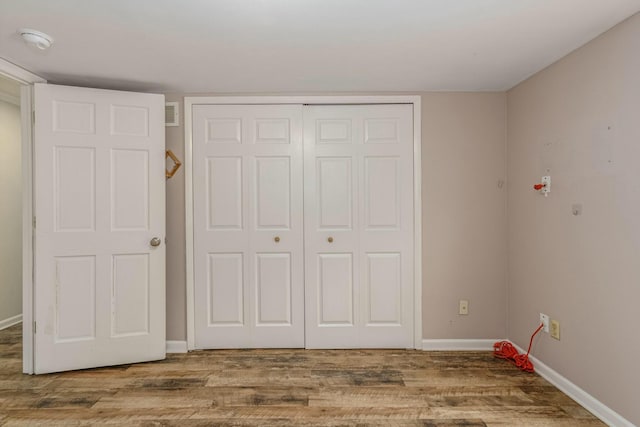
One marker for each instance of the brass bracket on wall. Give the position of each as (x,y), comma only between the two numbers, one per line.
(176,164)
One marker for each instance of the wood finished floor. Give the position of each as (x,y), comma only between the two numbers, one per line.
(287,388)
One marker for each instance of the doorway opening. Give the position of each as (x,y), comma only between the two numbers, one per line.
(12,191)
(17,84)
(10,204)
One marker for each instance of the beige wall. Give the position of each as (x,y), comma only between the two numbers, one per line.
(579,121)
(176,270)
(10,212)
(464,214)
(463,146)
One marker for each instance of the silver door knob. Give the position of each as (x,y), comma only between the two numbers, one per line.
(155,241)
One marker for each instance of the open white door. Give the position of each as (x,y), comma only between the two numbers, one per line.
(99,196)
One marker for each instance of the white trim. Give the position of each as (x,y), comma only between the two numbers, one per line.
(310,100)
(28,295)
(590,403)
(459,345)
(14,72)
(417,222)
(176,346)
(188,219)
(190,101)
(15,100)
(4,324)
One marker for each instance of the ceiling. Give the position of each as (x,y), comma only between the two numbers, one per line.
(309,46)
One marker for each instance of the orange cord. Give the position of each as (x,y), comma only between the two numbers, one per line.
(506,350)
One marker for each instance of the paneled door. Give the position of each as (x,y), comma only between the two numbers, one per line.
(99,196)
(358,179)
(248,241)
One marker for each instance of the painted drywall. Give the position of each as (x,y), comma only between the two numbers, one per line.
(464,215)
(10,212)
(464,224)
(579,122)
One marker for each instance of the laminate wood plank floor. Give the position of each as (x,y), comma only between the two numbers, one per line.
(286,388)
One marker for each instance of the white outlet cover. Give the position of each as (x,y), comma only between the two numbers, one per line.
(463,307)
(544,319)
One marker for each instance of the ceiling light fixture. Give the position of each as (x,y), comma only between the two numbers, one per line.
(35,38)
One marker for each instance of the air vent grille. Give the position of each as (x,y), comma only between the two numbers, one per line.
(171,114)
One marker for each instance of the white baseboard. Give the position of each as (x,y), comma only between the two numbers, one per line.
(458,345)
(590,403)
(10,321)
(176,346)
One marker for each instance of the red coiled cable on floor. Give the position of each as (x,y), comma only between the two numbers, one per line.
(506,350)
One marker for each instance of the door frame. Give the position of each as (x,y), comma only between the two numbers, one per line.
(26,79)
(415,100)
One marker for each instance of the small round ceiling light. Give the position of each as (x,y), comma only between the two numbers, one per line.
(35,38)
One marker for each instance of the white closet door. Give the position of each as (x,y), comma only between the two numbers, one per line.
(99,182)
(248,241)
(358,175)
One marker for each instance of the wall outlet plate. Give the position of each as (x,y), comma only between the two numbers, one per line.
(544,319)
(555,329)
(463,307)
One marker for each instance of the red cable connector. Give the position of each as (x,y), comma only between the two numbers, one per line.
(506,350)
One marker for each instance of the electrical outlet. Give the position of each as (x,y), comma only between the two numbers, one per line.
(555,329)
(544,319)
(463,307)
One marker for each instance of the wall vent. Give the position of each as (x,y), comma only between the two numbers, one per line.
(171,114)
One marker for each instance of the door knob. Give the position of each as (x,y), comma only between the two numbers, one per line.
(330,240)
(276,239)
(155,241)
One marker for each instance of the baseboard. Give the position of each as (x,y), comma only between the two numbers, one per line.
(458,345)
(590,403)
(176,346)
(10,321)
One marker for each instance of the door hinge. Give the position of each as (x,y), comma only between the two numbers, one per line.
(33,116)
(34,222)
(34,327)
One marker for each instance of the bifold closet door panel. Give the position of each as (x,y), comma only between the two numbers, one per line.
(248,227)
(358,226)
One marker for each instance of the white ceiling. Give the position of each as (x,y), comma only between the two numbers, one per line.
(302,45)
